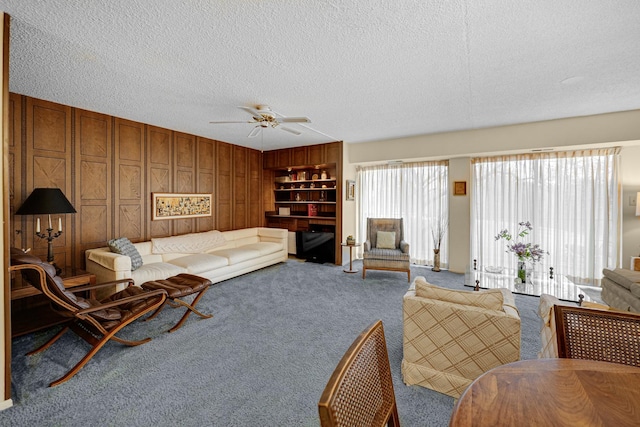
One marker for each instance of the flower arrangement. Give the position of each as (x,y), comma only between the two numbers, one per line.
(524,251)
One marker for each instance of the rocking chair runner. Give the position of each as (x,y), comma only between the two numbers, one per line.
(95,321)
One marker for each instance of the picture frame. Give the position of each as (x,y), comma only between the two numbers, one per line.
(180,205)
(350,193)
(460,188)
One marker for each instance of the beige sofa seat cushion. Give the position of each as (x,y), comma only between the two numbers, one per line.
(155,271)
(199,263)
(491,299)
(237,255)
(264,248)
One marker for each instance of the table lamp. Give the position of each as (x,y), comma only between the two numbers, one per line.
(47,201)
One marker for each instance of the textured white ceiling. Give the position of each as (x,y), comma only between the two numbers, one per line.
(361,70)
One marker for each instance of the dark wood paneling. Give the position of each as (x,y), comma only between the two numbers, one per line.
(185,169)
(240,196)
(93,183)
(14,160)
(48,164)
(108,167)
(205,178)
(254,171)
(159,173)
(224,186)
(299,156)
(130,195)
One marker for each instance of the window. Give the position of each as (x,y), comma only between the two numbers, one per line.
(572,200)
(416,192)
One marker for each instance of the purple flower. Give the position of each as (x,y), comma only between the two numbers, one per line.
(524,251)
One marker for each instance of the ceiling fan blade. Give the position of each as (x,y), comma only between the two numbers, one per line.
(293,131)
(252,111)
(294,120)
(218,123)
(255,132)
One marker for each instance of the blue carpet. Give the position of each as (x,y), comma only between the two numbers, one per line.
(262,360)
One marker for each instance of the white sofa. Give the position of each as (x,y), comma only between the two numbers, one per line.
(215,255)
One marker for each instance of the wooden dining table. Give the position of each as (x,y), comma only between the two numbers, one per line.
(552,392)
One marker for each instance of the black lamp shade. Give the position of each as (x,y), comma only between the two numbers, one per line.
(46,201)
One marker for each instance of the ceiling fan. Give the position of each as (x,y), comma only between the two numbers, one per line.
(263,117)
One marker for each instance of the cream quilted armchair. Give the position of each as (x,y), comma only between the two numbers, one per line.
(451,337)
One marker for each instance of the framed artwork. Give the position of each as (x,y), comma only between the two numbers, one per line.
(180,205)
(351,190)
(460,188)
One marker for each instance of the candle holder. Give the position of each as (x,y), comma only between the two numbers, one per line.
(47,201)
(50,236)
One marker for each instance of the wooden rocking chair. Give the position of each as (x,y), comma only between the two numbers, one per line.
(95,321)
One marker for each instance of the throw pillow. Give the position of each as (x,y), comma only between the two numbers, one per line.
(491,299)
(123,246)
(386,240)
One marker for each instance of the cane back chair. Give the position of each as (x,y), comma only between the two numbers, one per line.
(360,390)
(592,334)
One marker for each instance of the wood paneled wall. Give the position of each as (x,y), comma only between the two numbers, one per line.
(108,167)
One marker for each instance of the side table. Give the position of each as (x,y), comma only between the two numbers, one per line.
(29,310)
(350,270)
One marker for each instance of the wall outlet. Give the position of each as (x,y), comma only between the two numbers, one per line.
(633,200)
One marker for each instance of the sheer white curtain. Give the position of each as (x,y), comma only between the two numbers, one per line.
(572,200)
(416,192)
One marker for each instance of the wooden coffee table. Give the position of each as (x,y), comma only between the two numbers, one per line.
(552,392)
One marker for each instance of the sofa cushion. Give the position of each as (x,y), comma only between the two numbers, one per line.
(386,240)
(237,255)
(191,243)
(156,271)
(263,248)
(123,246)
(491,299)
(198,263)
(622,276)
(635,289)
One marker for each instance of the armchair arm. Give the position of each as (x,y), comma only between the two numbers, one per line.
(110,260)
(121,301)
(366,246)
(404,247)
(100,285)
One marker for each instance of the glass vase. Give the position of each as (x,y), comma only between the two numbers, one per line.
(522,271)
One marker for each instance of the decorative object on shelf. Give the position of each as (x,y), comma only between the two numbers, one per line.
(47,201)
(323,175)
(180,205)
(460,188)
(301,185)
(351,190)
(284,211)
(322,196)
(324,185)
(302,175)
(312,185)
(526,252)
(350,240)
(437,234)
(314,176)
(297,197)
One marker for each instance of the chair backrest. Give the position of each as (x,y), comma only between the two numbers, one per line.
(360,390)
(384,224)
(609,336)
(42,276)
